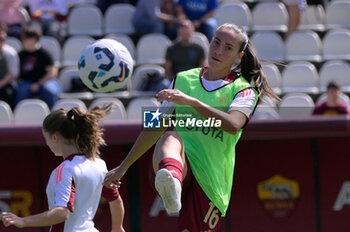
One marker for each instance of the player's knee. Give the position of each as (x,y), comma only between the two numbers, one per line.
(171,136)
(169,144)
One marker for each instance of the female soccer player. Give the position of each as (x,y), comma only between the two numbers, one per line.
(199,161)
(75,186)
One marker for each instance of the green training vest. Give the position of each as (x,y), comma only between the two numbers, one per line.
(210,150)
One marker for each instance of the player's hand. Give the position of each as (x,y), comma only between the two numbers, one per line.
(176,96)
(9,219)
(112,179)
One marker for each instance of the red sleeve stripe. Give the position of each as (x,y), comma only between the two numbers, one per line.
(246,92)
(58,176)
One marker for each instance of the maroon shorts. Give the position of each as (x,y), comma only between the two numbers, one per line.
(198,213)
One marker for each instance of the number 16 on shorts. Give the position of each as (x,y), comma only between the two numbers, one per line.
(212,217)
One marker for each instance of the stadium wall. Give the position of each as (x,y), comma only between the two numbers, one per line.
(290,175)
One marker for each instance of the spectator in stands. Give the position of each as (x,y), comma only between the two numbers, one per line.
(149,18)
(51,15)
(201,13)
(104,4)
(37,70)
(169,7)
(323,3)
(295,13)
(10,14)
(9,68)
(332,104)
(183,54)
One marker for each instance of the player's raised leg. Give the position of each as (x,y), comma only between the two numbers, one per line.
(170,168)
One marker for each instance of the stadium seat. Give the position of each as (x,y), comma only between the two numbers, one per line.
(269,45)
(303,45)
(120,94)
(15,43)
(270,16)
(136,106)
(85,20)
(265,112)
(343,98)
(267,101)
(125,40)
(66,76)
(300,76)
(72,49)
(151,48)
(139,76)
(237,13)
(68,103)
(118,19)
(200,39)
(296,105)
(25,17)
(52,45)
(337,15)
(313,19)
(31,111)
(335,70)
(336,45)
(119,112)
(273,76)
(6,114)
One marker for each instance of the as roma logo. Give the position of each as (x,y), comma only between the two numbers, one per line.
(279,196)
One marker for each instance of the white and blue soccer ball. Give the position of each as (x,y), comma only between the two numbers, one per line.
(105,66)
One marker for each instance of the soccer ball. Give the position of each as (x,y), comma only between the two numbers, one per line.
(105,66)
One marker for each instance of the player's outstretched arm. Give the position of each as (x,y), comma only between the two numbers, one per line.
(117,214)
(47,218)
(144,141)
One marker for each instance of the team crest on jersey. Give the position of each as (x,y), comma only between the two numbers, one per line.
(222,100)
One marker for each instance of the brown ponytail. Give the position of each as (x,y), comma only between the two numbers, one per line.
(251,70)
(80,127)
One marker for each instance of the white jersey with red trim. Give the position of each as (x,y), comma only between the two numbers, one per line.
(76,184)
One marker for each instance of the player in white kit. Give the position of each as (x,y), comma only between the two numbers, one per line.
(75,186)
